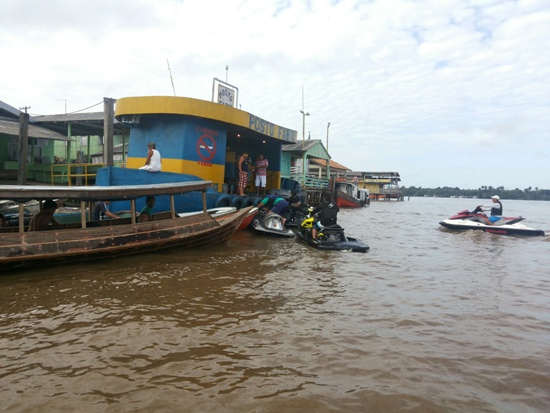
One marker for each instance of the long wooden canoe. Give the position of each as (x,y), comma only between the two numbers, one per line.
(110,238)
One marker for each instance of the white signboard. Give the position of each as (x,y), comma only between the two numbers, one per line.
(226,95)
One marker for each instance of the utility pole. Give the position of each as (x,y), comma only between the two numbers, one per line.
(304,114)
(23,145)
(328,126)
(108,126)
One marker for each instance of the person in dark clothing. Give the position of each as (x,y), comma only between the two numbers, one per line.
(101,211)
(275,204)
(328,211)
(496,209)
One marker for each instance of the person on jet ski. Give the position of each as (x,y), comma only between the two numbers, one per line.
(328,211)
(496,208)
(274,204)
(294,201)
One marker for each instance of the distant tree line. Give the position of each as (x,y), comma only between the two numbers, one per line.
(485,192)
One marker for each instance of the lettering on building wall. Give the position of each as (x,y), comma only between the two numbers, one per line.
(267,128)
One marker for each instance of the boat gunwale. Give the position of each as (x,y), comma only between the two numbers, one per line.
(24,193)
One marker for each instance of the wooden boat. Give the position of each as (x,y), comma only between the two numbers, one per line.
(87,241)
(223,213)
(349,195)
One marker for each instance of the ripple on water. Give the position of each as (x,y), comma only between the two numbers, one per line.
(426,321)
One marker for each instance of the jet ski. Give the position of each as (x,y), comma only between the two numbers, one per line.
(476,219)
(296,216)
(270,224)
(329,238)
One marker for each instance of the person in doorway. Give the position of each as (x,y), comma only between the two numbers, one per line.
(261,173)
(44,219)
(328,214)
(146,213)
(101,211)
(153,161)
(243,173)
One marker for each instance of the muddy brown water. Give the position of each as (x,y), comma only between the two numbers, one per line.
(426,321)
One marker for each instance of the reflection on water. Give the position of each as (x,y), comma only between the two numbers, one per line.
(426,321)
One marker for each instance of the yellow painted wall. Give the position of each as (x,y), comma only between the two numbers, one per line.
(214,173)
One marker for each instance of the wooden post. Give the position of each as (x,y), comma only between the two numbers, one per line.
(108,126)
(21,217)
(133,211)
(23,147)
(172,207)
(83,214)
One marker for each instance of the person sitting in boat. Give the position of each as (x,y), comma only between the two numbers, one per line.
(153,161)
(328,211)
(495,208)
(101,211)
(274,204)
(146,213)
(3,221)
(42,220)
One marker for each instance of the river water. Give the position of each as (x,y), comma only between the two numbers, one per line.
(426,321)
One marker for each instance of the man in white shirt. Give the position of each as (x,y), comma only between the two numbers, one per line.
(153,162)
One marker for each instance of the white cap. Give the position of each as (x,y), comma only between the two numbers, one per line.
(495,197)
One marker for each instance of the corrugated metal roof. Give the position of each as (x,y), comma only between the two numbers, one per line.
(301,146)
(11,128)
(333,165)
(82,124)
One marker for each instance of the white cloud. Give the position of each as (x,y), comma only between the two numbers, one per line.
(445,92)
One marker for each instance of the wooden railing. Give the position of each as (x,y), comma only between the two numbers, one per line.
(308,182)
(75,173)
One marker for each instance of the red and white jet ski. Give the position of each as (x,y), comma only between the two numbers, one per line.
(476,219)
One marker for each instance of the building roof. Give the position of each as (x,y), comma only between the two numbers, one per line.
(301,146)
(332,164)
(8,111)
(11,127)
(82,124)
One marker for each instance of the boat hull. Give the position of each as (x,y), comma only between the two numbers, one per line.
(347,244)
(349,195)
(270,224)
(512,229)
(346,201)
(114,238)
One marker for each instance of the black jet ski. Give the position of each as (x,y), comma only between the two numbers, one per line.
(270,224)
(476,219)
(296,216)
(329,238)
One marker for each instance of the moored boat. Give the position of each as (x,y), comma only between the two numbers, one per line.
(349,195)
(86,241)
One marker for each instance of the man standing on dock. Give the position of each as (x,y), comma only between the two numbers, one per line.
(261,173)
(243,173)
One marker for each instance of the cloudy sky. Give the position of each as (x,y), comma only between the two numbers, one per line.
(445,92)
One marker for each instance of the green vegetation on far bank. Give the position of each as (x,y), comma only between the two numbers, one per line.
(485,192)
